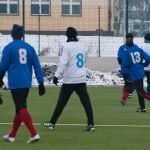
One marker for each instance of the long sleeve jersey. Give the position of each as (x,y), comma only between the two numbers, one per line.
(120,56)
(72,63)
(133,62)
(19,59)
(146,48)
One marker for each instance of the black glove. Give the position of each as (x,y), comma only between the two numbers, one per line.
(41,89)
(55,80)
(145,63)
(1,100)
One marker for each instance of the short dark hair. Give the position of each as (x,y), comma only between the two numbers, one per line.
(129,35)
(147,36)
(17,31)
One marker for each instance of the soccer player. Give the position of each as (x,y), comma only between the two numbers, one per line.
(128,87)
(18,59)
(72,69)
(133,60)
(146,48)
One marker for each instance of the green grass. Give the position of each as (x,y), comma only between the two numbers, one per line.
(107,111)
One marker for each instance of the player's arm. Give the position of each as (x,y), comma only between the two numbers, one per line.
(64,59)
(126,60)
(119,59)
(4,63)
(145,56)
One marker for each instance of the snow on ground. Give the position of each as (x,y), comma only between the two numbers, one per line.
(94,78)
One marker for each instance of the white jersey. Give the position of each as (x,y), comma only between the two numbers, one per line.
(72,63)
(146,48)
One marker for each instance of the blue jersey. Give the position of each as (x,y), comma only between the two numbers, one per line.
(121,52)
(19,59)
(133,60)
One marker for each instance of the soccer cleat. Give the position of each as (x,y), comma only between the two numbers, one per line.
(34,139)
(90,128)
(130,96)
(51,126)
(8,138)
(141,110)
(45,124)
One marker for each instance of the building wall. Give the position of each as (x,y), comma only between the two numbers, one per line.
(88,21)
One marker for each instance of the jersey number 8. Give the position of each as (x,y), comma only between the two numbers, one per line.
(80,61)
(22,56)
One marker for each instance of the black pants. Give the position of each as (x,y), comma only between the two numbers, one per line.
(65,93)
(20,98)
(147,73)
(128,84)
(140,92)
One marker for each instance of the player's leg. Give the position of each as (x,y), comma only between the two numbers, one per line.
(140,89)
(125,92)
(130,87)
(81,90)
(64,95)
(20,99)
(16,123)
(147,73)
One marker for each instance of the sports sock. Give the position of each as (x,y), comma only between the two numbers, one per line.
(27,120)
(16,124)
(125,94)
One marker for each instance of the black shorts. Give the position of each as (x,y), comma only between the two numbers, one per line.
(20,98)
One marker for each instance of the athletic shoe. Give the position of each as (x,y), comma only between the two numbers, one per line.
(48,125)
(141,110)
(34,139)
(90,128)
(8,138)
(45,124)
(130,96)
(51,126)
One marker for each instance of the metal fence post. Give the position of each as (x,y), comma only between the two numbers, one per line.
(99,42)
(23,18)
(126,16)
(39,28)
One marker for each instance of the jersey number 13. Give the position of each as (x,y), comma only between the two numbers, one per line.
(136,57)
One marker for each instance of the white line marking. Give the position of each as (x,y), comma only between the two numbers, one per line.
(104,125)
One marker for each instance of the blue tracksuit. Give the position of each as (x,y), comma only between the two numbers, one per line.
(121,52)
(133,61)
(18,58)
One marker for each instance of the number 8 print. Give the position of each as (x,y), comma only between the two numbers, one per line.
(22,56)
(80,61)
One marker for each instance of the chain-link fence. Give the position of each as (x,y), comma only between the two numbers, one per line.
(101,24)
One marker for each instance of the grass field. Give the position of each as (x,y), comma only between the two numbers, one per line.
(117,127)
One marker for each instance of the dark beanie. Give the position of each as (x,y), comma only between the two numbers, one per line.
(71,32)
(17,31)
(147,36)
(129,35)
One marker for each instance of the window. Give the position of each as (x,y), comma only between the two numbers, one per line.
(71,7)
(41,7)
(8,7)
